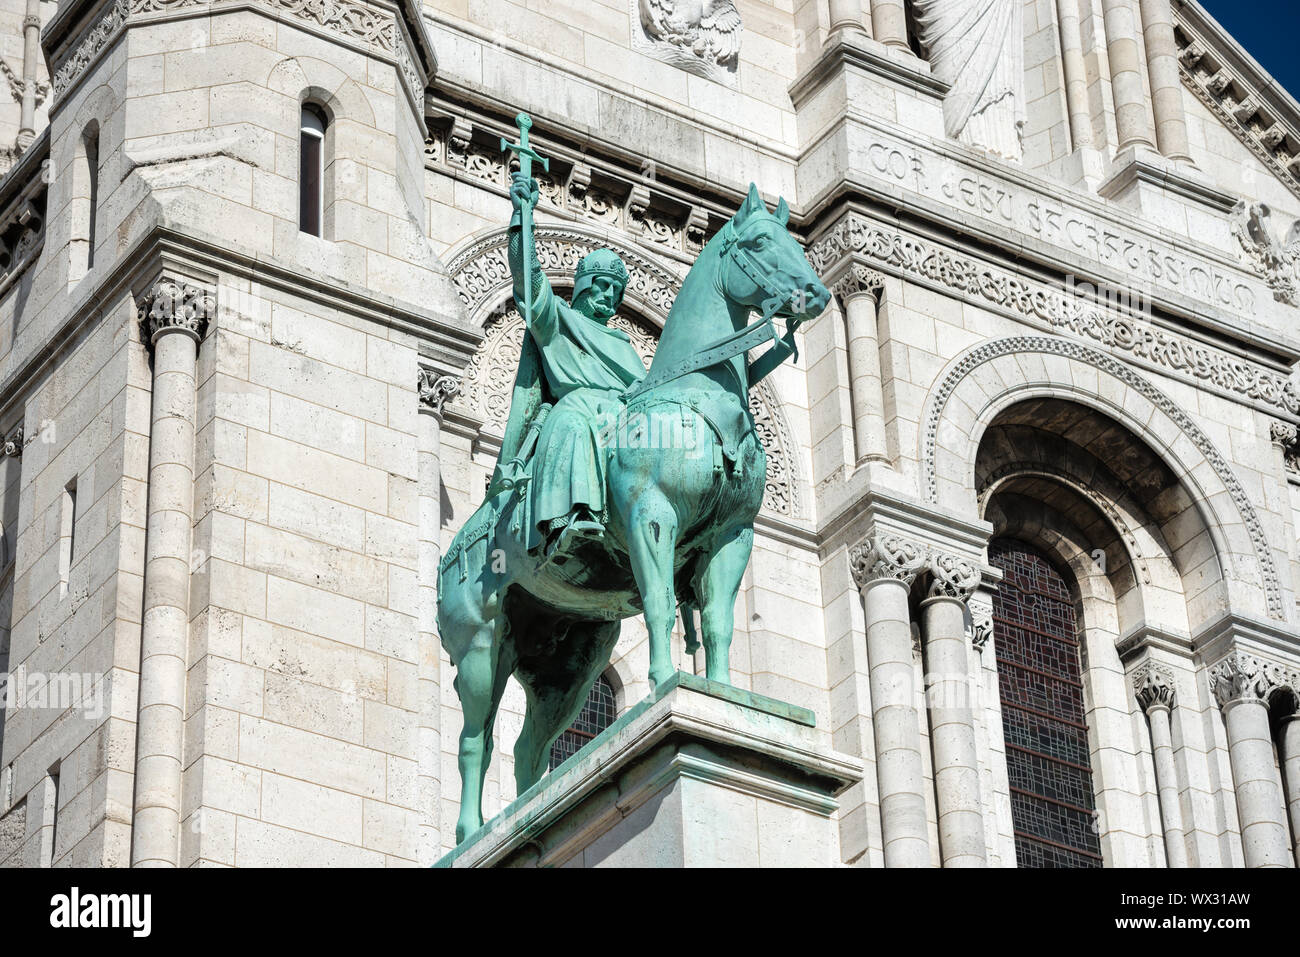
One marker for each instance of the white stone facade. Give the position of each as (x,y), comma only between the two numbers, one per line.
(235,450)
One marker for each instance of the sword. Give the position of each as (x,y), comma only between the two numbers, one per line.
(526,156)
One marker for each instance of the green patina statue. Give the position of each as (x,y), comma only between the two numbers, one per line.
(617,492)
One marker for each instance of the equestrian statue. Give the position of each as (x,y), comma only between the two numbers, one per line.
(617,491)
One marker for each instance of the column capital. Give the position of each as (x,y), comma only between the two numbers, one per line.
(859,280)
(435,388)
(174,304)
(1240,676)
(952,576)
(885,555)
(1153,684)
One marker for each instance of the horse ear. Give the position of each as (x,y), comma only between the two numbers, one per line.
(753,203)
(782,213)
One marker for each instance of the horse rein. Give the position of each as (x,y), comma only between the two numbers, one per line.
(735,343)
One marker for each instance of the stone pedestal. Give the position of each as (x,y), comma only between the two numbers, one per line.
(698,774)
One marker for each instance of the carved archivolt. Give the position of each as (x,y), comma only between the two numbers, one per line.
(482,279)
(1111,366)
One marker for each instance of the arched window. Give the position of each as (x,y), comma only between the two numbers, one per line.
(1053,807)
(312,164)
(596,715)
(84,203)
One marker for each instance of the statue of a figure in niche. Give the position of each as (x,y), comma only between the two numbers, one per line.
(978,48)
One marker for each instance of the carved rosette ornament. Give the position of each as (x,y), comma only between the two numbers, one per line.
(859,281)
(1153,684)
(886,556)
(435,389)
(176,305)
(1243,677)
(952,576)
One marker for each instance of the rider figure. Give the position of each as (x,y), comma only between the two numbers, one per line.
(586,365)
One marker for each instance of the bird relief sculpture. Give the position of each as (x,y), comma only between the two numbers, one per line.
(1278,262)
(701,36)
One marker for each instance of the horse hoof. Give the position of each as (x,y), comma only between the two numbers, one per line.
(658,677)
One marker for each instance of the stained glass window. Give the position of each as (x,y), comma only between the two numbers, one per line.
(1036,634)
(596,715)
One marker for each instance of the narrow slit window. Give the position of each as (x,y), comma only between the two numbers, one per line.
(311,171)
(92,171)
(67,523)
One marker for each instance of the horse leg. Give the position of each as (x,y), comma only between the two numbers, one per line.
(652,541)
(719,580)
(557,698)
(479,682)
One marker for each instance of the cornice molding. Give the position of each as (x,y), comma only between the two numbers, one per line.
(1239,92)
(1111,328)
(81,32)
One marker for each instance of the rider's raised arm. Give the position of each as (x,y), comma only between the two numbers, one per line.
(543,312)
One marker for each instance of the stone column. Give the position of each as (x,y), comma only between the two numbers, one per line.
(1289,743)
(859,292)
(952,717)
(1126,75)
(889,22)
(884,567)
(846,15)
(1243,684)
(434,390)
(31,60)
(1166,86)
(1154,686)
(174,315)
(1076,73)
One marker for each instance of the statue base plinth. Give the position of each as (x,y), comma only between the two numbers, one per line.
(698,774)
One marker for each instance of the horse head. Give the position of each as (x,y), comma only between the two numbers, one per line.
(764,267)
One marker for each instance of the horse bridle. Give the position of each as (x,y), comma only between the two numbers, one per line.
(738,342)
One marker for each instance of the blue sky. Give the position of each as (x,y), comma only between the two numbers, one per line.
(1268,29)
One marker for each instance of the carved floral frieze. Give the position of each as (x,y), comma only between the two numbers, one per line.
(1117,331)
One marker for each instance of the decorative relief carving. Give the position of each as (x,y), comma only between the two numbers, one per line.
(17,85)
(1112,366)
(951,576)
(1109,327)
(489,379)
(1272,140)
(1278,262)
(633,207)
(886,555)
(355,21)
(1245,677)
(482,275)
(700,36)
(1287,438)
(173,304)
(981,614)
(22,227)
(435,389)
(859,281)
(1153,685)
